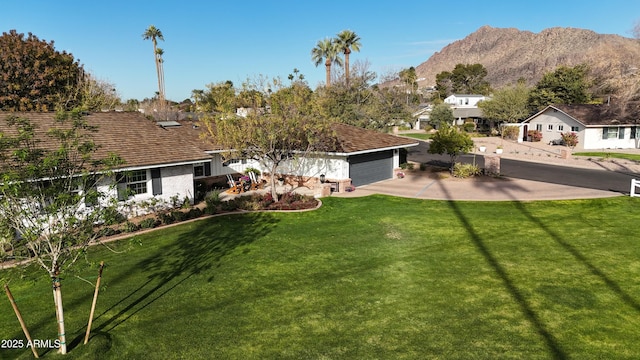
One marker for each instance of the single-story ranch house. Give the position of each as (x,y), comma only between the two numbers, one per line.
(599,126)
(163,160)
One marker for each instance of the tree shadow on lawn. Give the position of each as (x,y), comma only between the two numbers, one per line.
(195,251)
(554,347)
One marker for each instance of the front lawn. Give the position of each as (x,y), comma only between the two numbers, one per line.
(607,155)
(363,278)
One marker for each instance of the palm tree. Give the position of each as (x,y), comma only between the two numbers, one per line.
(348,41)
(159,53)
(153,33)
(328,51)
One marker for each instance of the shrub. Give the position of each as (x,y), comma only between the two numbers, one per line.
(130,227)
(469,127)
(535,135)
(212,199)
(510,132)
(252,170)
(406,166)
(423,166)
(112,216)
(465,170)
(166,218)
(178,215)
(149,223)
(108,231)
(570,139)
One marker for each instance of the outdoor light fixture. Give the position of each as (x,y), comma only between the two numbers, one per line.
(322,178)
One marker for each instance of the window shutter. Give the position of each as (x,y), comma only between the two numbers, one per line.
(156,181)
(605,132)
(207,168)
(621,133)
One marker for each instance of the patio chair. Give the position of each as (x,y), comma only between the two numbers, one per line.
(255,184)
(235,187)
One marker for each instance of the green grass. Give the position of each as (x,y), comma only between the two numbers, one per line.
(364,278)
(606,155)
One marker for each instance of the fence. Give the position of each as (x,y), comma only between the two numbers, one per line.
(634,184)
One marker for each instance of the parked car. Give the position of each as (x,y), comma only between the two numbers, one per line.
(556,142)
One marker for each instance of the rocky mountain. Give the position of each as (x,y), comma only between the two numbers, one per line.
(510,54)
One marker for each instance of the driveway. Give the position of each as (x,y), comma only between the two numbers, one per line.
(427,185)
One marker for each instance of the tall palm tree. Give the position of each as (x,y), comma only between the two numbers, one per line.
(159,53)
(153,33)
(326,50)
(348,41)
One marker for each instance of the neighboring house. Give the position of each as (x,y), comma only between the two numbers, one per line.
(599,126)
(463,100)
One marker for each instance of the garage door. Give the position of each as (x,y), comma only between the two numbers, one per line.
(368,168)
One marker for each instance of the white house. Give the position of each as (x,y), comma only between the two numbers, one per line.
(598,126)
(464,100)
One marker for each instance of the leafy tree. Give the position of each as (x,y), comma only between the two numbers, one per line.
(565,85)
(347,41)
(326,51)
(441,115)
(449,140)
(49,194)
(362,104)
(509,104)
(154,34)
(96,94)
(273,137)
(220,97)
(464,79)
(34,76)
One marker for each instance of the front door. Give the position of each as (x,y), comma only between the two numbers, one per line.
(525,130)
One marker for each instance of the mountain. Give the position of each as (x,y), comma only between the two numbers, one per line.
(510,54)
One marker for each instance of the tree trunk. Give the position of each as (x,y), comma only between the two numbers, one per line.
(346,66)
(57,299)
(274,191)
(327,65)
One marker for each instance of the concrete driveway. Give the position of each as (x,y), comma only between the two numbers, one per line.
(439,186)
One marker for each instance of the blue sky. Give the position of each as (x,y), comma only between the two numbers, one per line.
(214,41)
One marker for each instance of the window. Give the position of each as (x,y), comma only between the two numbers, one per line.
(132,183)
(202,169)
(539,127)
(575,129)
(635,132)
(550,127)
(612,133)
(560,127)
(137,182)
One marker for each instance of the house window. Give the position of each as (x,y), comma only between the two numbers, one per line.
(575,129)
(635,132)
(137,182)
(550,127)
(132,183)
(539,127)
(202,170)
(560,127)
(613,133)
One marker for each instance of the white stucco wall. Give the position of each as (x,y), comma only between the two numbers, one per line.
(594,140)
(313,165)
(557,119)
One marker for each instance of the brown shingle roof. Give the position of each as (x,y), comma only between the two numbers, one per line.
(136,139)
(599,114)
(354,139)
